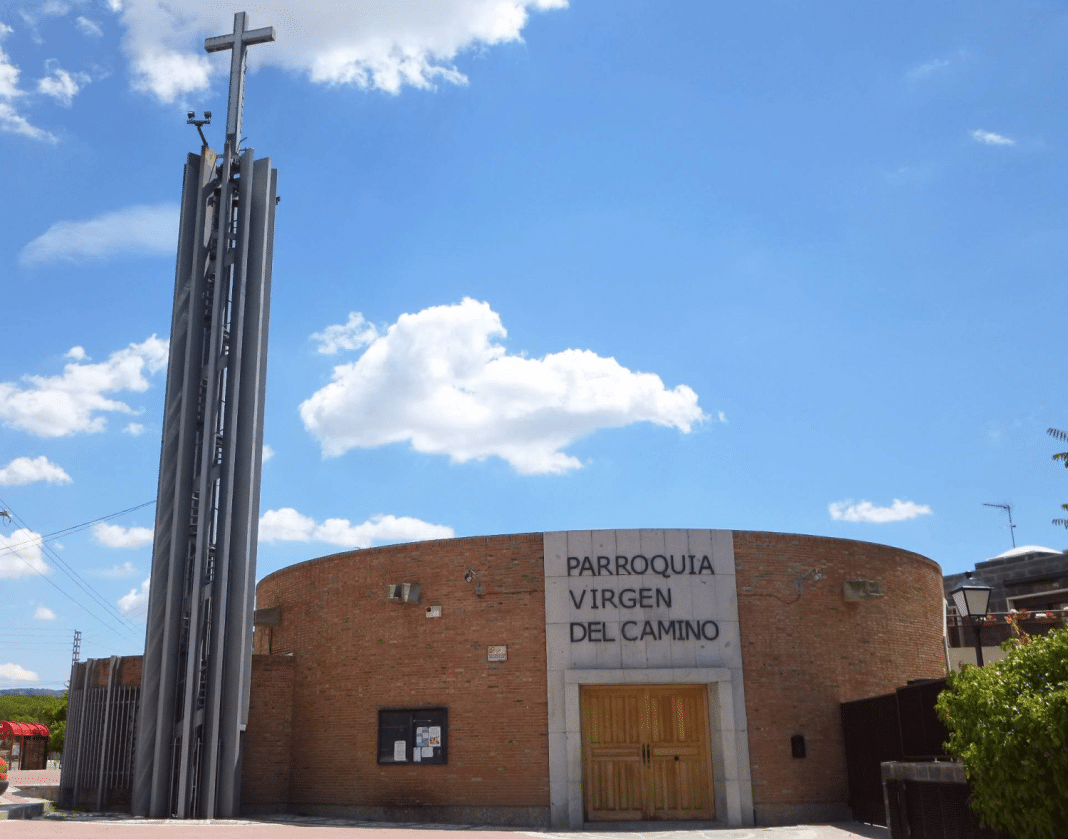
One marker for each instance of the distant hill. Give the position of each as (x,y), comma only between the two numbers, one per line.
(31,692)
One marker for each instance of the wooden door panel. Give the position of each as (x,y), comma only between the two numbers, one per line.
(645,753)
(680,761)
(615,790)
(612,752)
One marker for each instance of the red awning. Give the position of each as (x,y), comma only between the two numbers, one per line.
(23,729)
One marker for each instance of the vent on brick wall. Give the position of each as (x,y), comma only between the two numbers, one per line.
(862,589)
(403,592)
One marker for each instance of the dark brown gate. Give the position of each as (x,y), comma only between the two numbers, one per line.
(898,726)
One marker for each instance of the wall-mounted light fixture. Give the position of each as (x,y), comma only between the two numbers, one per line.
(477,579)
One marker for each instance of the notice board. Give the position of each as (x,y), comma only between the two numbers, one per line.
(413,735)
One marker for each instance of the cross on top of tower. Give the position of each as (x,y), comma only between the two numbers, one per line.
(237,41)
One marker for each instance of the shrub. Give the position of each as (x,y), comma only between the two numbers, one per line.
(1008,724)
(3,770)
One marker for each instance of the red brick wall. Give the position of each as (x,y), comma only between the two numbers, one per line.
(805,655)
(269,737)
(355,653)
(130,671)
(129,674)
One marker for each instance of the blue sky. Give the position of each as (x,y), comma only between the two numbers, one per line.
(539,265)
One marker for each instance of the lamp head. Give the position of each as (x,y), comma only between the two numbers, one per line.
(971,597)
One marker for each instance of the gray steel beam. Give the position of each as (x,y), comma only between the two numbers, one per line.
(105,740)
(249,385)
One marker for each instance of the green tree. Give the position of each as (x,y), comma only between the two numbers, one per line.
(49,710)
(1008,724)
(1061,457)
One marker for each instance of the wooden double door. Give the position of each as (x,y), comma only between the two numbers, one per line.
(645,753)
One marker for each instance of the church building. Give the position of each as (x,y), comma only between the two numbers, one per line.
(559,679)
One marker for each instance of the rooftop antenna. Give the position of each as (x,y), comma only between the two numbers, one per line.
(1008,509)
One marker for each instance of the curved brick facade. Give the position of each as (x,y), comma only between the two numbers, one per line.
(805,655)
(354,653)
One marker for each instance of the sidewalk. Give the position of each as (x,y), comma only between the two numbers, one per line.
(19,804)
(14,805)
(78,825)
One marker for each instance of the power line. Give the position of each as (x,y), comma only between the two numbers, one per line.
(88,586)
(74,576)
(67,531)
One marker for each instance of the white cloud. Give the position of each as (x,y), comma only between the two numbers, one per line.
(438,380)
(9,73)
(989,138)
(58,406)
(77,354)
(352,335)
(117,572)
(268,453)
(287,525)
(142,230)
(20,555)
(170,75)
(117,536)
(55,8)
(25,470)
(928,68)
(61,85)
(134,429)
(11,121)
(43,613)
(379,44)
(14,673)
(87,27)
(135,603)
(865,511)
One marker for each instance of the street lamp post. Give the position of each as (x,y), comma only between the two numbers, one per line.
(972,599)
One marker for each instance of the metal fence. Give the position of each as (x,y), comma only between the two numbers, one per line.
(99,747)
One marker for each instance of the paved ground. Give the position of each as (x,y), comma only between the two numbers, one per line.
(322,828)
(33,777)
(79,825)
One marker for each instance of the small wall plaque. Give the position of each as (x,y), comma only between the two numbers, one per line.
(497,653)
(433,611)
